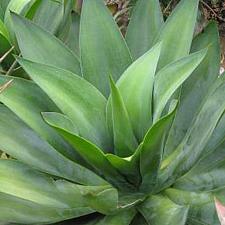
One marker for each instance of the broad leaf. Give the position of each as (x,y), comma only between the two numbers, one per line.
(129,167)
(17,210)
(151,152)
(122,218)
(29,108)
(124,139)
(207,175)
(201,206)
(91,153)
(177,32)
(145,23)
(192,147)
(17,6)
(158,209)
(49,15)
(72,39)
(40,46)
(76,98)
(136,87)
(196,87)
(24,182)
(103,49)
(169,79)
(29,148)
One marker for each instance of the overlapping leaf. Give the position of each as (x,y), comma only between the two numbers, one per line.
(103,49)
(144,26)
(76,98)
(33,42)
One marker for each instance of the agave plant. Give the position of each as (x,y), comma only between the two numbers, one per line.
(130,132)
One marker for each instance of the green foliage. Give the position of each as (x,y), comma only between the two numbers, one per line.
(122,131)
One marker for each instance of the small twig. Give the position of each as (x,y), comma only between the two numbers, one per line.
(12,67)
(6,85)
(121,12)
(167,7)
(6,54)
(207,6)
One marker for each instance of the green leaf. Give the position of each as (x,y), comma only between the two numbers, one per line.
(124,139)
(196,87)
(136,87)
(29,110)
(17,210)
(169,79)
(145,23)
(17,6)
(29,148)
(129,167)
(158,209)
(60,120)
(34,186)
(151,152)
(190,150)
(49,15)
(177,32)
(202,208)
(72,40)
(122,218)
(207,175)
(76,98)
(40,46)
(4,39)
(103,49)
(91,153)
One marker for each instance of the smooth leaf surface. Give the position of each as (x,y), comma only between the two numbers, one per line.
(60,120)
(49,15)
(28,184)
(136,87)
(91,153)
(151,152)
(196,87)
(207,175)
(169,79)
(192,147)
(201,206)
(72,39)
(27,101)
(76,98)
(129,167)
(145,23)
(158,209)
(29,148)
(124,139)
(123,218)
(103,49)
(177,32)
(17,210)
(17,6)
(40,46)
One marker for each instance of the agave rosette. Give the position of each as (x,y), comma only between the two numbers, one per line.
(130,131)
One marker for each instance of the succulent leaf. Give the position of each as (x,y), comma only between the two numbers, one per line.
(195,89)
(39,40)
(124,139)
(103,49)
(182,20)
(71,94)
(140,36)
(34,151)
(171,77)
